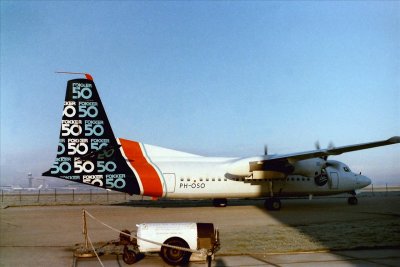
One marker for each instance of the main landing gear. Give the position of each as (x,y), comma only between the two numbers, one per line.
(272,203)
(220,202)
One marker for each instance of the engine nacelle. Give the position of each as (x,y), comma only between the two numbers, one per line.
(259,169)
(241,167)
(309,167)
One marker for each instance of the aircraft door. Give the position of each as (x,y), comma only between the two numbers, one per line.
(169,179)
(333,180)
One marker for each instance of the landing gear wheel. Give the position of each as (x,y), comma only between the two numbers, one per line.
(220,202)
(174,256)
(352,200)
(273,203)
(129,256)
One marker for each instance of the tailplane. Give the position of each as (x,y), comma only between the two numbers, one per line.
(88,151)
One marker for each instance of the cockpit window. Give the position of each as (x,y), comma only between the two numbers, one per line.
(346,169)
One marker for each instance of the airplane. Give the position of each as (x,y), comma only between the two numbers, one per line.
(89,153)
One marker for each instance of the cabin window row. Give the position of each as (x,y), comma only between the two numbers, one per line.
(240,179)
(204,179)
(298,179)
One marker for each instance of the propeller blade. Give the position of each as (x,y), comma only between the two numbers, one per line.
(331,145)
(265,150)
(317,145)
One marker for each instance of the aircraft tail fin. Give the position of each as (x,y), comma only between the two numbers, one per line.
(88,151)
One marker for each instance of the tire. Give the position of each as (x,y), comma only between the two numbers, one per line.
(352,201)
(276,204)
(272,204)
(220,202)
(267,204)
(174,256)
(129,256)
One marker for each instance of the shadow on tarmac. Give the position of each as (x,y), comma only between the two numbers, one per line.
(328,221)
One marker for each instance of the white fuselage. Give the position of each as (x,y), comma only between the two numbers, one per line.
(206,177)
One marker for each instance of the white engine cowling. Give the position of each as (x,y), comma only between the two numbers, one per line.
(309,167)
(241,167)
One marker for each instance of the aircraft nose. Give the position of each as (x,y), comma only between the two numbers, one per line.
(364,181)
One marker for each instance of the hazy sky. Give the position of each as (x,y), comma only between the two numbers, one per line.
(213,78)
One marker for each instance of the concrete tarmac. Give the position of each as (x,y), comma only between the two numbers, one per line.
(370,257)
(364,235)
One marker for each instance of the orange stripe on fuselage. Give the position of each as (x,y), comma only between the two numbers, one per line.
(149,177)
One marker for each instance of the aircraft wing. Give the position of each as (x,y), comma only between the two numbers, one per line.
(283,163)
(334,151)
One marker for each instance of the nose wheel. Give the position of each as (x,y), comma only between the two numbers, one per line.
(352,200)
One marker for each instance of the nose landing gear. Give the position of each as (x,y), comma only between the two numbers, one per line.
(352,200)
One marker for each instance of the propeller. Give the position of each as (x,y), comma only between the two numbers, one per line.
(265,150)
(318,146)
(331,145)
(321,179)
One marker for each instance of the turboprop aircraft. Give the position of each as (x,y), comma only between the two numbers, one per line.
(89,153)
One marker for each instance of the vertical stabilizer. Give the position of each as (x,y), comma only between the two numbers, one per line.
(88,151)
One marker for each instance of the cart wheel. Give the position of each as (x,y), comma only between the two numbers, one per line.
(129,256)
(174,256)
